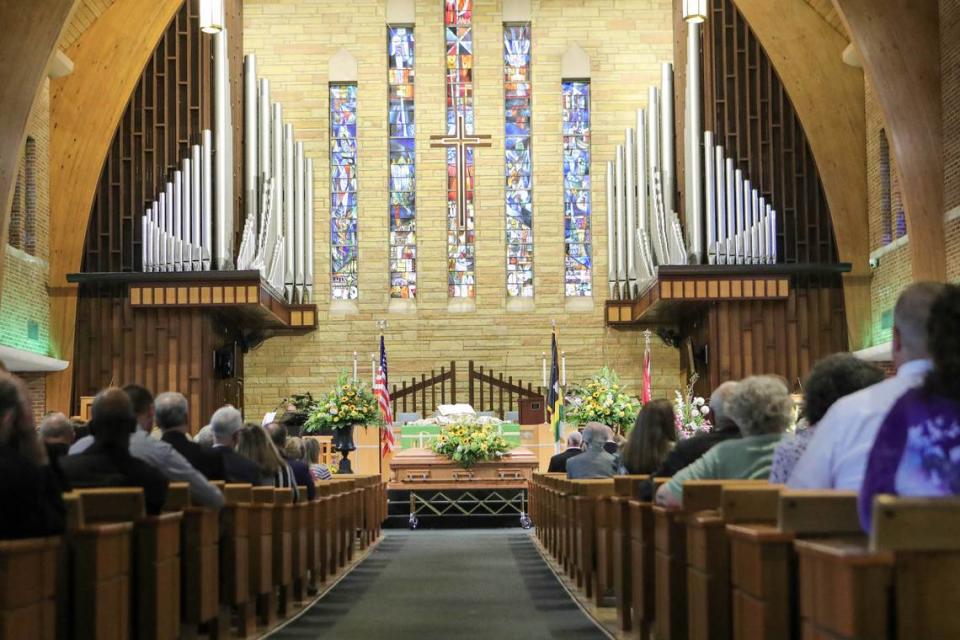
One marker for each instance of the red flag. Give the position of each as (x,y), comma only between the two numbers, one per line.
(647,392)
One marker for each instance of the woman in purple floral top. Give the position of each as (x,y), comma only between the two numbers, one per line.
(917,449)
(830,379)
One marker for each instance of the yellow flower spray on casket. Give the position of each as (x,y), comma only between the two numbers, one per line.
(350,402)
(469,443)
(602,398)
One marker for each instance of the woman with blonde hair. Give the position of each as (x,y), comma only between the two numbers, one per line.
(255,444)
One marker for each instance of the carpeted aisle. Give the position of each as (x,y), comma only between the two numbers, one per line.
(447,584)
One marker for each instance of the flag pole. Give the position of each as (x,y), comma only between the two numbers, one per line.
(381,325)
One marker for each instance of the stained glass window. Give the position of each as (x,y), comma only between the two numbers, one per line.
(578,259)
(518,160)
(403,205)
(343,191)
(458,20)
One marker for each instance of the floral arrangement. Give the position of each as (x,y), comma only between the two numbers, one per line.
(602,398)
(690,412)
(469,444)
(348,403)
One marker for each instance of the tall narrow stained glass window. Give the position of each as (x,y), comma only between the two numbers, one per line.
(518,160)
(403,206)
(343,191)
(577,208)
(461,256)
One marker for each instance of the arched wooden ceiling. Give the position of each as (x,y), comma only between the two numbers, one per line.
(84,15)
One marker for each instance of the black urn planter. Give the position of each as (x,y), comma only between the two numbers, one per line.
(343,442)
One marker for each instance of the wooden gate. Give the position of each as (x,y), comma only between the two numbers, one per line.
(485,390)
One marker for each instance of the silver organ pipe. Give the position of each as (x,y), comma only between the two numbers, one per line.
(222,157)
(308,233)
(668,157)
(279,183)
(177,221)
(206,231)
(263,128)
(145,240)
(186,201)
(709,181)
(731,212)
(721,191)
(700,172)
(196,199)
(298,214)
(643,220)
(745,222)
(611,235)
(653,168)
(170,237)
(630,211)
(755,226)
(738,234)
(288,210)
(251,157)
(762,231)
(621,226)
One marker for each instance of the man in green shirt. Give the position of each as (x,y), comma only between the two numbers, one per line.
(763,409)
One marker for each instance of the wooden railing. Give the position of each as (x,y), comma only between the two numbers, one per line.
(486,390)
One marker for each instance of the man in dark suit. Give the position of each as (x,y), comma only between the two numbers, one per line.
(558,462)
(226,424)
(171,416)
(594,462)
(107,462)
(688,451)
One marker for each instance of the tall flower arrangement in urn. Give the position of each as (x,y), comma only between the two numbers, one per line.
(691,412)
(603,398)
(349,403)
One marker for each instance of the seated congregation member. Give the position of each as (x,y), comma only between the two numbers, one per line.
(594,462)
(762,407)
(916,449)
(225,425)
(558,462)
(830,379)
(256,445)
(301,472)
(688,451)
(204,437)
(653,435)
(172,415)
(311,455)
(836,455)
(107,462)
(56,430)
(30,501)
(162,455)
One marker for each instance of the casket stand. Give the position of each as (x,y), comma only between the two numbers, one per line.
(428,487)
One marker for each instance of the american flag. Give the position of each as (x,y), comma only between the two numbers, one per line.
(382,394)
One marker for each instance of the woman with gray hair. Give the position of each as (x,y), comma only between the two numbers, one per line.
(762,408)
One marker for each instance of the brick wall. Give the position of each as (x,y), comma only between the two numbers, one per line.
(24,300)
(37,388)
(295,39)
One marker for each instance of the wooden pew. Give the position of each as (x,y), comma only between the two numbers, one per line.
(763,572)
(199,561)
(711,505)
(586,495)
(94,599)
(262,586)
(300,525)
(625,488)
(901,583)
(283,549)
(28,587)
(154,557)
(642,584)
(235,543)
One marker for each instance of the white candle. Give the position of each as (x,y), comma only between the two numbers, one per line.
(354,367)
(373,370)
(563,368)
(544,369)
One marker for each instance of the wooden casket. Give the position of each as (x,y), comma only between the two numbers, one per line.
(424,469)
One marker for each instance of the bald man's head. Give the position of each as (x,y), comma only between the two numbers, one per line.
(112,417)
(910,318)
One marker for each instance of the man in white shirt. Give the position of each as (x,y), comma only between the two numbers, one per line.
(836,457)
(163,456)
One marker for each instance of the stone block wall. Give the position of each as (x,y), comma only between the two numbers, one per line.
(294,41)
(950,82)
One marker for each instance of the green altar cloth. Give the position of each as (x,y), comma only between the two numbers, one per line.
(414,436)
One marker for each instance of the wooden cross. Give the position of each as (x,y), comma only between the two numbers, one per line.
(461,141)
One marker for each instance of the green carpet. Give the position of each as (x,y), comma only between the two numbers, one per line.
(447,584)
